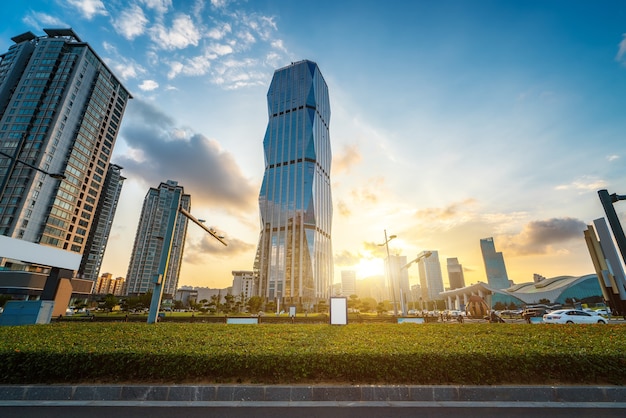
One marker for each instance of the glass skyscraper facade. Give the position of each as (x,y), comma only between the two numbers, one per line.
(455,273)
(294,260)
(60,111)
(431,279)
(497,277)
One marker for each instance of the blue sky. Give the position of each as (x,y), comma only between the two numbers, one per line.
(451,121)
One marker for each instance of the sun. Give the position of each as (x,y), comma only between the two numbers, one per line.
(369,267)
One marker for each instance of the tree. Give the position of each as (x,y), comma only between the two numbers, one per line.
(368,304)
(110,302)
(254,304)
(354,302)
(229,302)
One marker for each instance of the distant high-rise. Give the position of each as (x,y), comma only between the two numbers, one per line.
(398,281)
(149,240)
(60,111)
(99,234)
(294,258)
(497,277)
(455,273)
(243,284)
(348,283)
(431,280)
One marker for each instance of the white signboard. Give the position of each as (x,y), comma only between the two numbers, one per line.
(338,311)
(30,252)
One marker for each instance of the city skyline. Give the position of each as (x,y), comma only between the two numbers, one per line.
(452,122)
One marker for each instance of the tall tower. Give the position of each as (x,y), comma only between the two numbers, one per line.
(455,273)
(348,283)
(99,234)
(149,240)
(431,280)
(294,258)
(494,265)
(60,111)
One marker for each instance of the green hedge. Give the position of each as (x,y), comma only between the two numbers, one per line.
(357,353)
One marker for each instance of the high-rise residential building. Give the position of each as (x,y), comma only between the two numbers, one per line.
(159,204)
(60,111)
(431,280)
(106,284)
(497,278)
(294,258)
(455,273)
(99,234)
(243,284)
(348,283)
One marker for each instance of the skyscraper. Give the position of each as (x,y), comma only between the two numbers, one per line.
(60,112)
(103,220)
(149,246)
(455,273)
(294,257)
(497,278)
(431,280)
(348,283)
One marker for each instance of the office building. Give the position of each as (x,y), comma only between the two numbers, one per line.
(243,284)
(99,234)
(294,258)
(149,248)
(60,113)
(494,265)
(348,283)
(431,280)
(455,273)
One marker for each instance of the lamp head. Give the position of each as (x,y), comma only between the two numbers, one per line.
(392,237)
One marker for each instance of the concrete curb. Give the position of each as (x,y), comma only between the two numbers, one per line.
(9,394)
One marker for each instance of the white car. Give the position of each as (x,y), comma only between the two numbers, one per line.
(572,316)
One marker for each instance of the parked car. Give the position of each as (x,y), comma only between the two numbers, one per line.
(572,316)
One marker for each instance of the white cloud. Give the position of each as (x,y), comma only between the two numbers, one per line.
(89,8)
(160,6)
(220,49)
(621,52)
(176,68)
(584,183)
(612,157)
(219,4)
(131,22)
(218,33)
(182,34)
(278,44)
(38,20)
(125,69)
(149,85)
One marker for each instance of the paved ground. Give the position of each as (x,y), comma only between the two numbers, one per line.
(304,401)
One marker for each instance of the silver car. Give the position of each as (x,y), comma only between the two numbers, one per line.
(572,316)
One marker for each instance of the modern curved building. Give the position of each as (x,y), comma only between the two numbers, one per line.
(294,259)
(556,289)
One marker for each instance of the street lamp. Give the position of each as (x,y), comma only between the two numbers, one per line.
(14,161)
(390,271)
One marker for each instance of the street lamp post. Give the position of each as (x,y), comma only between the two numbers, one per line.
(390,271)
(14,161)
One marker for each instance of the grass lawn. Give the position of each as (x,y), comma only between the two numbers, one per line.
(74,352)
